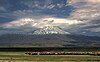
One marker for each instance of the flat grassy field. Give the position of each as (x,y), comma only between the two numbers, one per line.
(21,57)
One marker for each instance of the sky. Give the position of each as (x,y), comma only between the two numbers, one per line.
(74,16)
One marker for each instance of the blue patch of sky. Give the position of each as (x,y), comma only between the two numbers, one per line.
(4,20)
(14,5)
(59,12)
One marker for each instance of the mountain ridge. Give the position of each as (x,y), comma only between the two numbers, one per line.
(49,40)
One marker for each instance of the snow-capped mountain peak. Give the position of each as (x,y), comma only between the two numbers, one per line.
(50,30)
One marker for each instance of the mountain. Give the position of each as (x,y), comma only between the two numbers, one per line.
(47,35)
(50,30)
(48,40)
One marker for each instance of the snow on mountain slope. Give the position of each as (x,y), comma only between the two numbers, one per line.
(50,30)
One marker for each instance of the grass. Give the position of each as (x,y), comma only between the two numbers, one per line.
(20,56)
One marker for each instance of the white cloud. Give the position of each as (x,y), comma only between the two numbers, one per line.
(86,1)
(2,9)
(50,6)
(95,29)
(93,1)
(38,4)
(32,22)
(63,20)
(18,23)
(82,16)
(45,4)
(85,9)
(21,13)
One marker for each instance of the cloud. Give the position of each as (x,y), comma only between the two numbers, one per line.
(63,20)
(82,14)
(93,26)
(19,23)
(95,29)
(38,23)
(2,9)
(45,4)
(38,4)
(22,13)
(86,10)
(33,8)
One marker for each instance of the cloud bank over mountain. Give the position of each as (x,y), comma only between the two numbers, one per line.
(38,23)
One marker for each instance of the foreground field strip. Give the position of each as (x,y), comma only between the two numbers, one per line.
(49,58)
(44,61)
